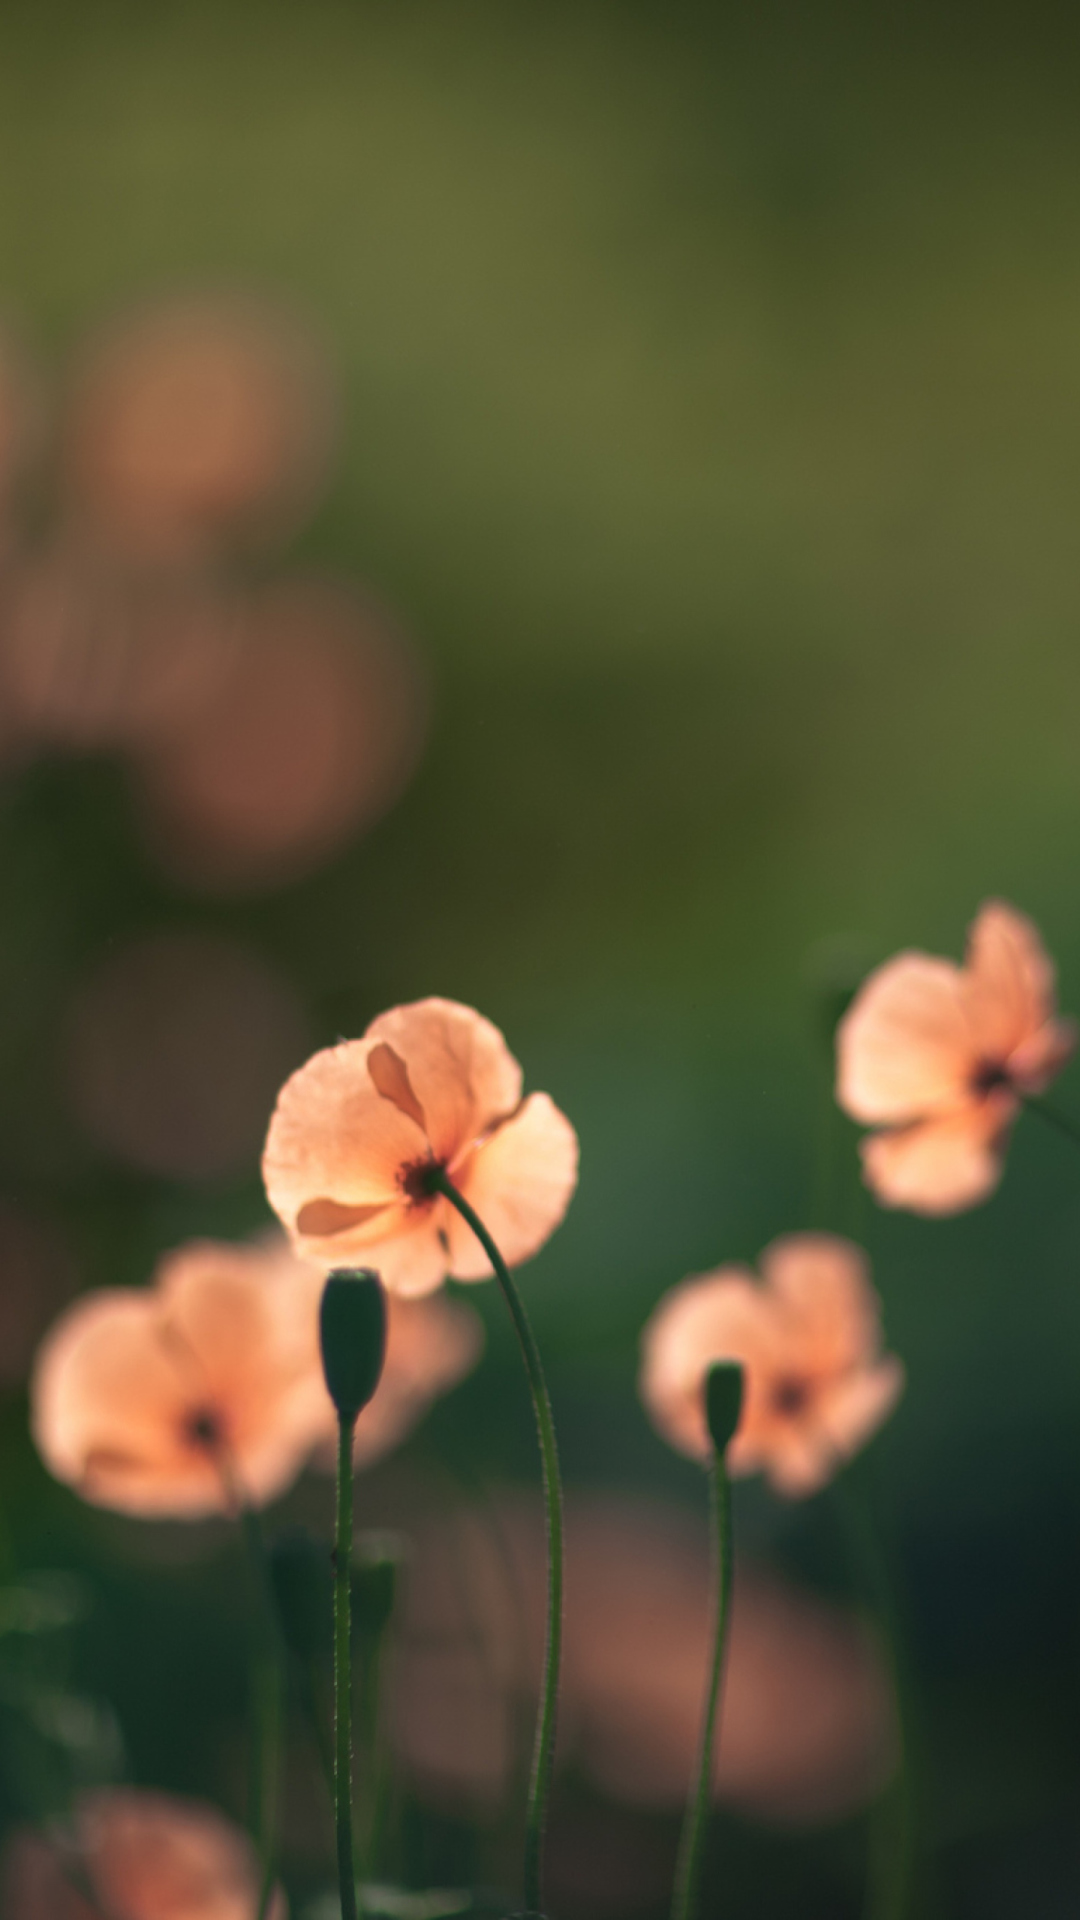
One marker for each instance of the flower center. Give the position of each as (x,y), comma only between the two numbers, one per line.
(204,1429)
(988,1076)
(790,1395)
(415,1181)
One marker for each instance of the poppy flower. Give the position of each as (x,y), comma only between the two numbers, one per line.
(358,1131)
(808,1336)
(940,1057)
(178,1400)
(141,1856)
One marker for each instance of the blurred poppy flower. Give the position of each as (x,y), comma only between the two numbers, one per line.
(431,1344)
(182,1399)
(137,1856)
(175,1047)
(310,735)
(808,1728)
(356,1132)
(940,1057)
(98,655)
(198,422)
(809,1339)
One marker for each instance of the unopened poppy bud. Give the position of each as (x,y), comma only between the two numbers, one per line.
(352,1334)
(300,1578)
(723,1402)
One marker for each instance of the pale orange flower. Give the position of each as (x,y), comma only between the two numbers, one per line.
(809,1339)
(940,1058)
(177,1400)
(142,1856)
(358,1129)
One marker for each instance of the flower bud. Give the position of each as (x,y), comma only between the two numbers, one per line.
(352,1334)
(723,1402)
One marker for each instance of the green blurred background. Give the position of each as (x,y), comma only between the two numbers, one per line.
(711,415)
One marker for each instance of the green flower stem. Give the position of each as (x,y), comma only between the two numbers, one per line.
(684,1904)
(1059,1121)
(343,1750)
(544,1747)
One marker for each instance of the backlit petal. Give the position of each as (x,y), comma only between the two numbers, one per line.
(1010,979)
(722,1315)
(458,1065)
(825,1283)
(905,1047)
(334,1138)
(520,1181)
(414,1260)
(856,1406)
(942,1165)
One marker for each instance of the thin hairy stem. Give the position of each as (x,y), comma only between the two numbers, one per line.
(544,1747)
(684,1904)
(343,1747)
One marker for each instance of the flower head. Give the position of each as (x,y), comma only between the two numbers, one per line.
(359,1131)
(142,1856)
(178,1400)
(816,1384)
(939,1058)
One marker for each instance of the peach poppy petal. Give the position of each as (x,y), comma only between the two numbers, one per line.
(941,1165)
(715,1316)
(1039,1059)
(125,1381)
(520,1181)
(825,1281)
(1010,979)
(108,1401)
(458,1065)
(430,1345)
(414,1261)
(857,1406)
(905,1047)
(800,1461)
(335,1142)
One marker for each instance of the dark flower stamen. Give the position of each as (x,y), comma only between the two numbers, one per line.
(416,1179)
(790,1395)
(988,1076)
(203,1428)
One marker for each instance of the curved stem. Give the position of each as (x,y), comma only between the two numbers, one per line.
(544,1747)
(684,1903)
(1059,1121)
(343,1832)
